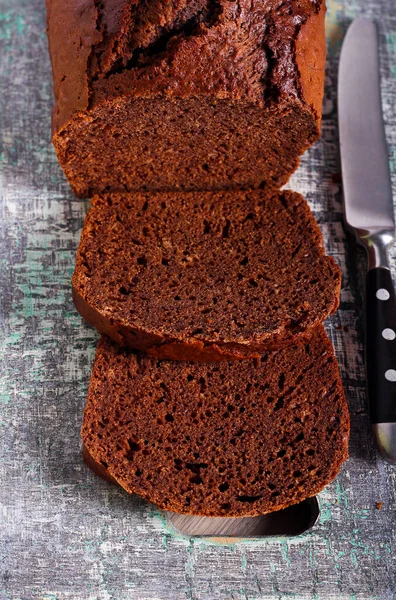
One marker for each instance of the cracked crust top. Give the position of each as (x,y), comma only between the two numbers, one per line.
(261,50)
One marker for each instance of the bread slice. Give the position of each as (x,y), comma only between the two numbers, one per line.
(204,276)
(184,95)
(225,439)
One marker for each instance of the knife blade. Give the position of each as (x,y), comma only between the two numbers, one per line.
(368,212)
(291,521)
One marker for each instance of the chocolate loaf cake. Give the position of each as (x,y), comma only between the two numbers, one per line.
(219,439)
(184,95)
(209,276)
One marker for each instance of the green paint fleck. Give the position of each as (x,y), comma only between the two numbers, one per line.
(189,569)
(390,38)
(325,512)
(243,562)
(342,496)
(285,552)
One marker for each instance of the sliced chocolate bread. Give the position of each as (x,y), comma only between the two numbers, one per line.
(219,439)
(204,276)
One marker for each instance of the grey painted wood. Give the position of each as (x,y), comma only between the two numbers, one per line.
(64,534)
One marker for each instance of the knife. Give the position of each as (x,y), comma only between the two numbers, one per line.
(368,212)
(291,521)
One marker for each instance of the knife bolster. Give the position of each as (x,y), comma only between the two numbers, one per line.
(376,242)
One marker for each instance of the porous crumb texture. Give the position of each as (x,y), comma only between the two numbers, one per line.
(206,276)
(220,439)
(185,95)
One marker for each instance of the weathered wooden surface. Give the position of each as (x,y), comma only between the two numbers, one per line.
(65,534)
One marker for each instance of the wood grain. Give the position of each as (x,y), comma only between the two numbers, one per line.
(64,534)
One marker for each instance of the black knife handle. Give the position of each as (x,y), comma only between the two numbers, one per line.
(381,345)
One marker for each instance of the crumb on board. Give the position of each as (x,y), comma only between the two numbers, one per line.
(379,505)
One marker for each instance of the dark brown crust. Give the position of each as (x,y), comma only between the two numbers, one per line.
(139,411)
(171,337)
(71,29)
(195,351)
(96,467)
(310,53)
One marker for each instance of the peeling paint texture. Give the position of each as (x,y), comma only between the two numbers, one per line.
(65,534)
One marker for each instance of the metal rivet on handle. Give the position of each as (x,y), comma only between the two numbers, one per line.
(382,294)
(390,375)
(388,334)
